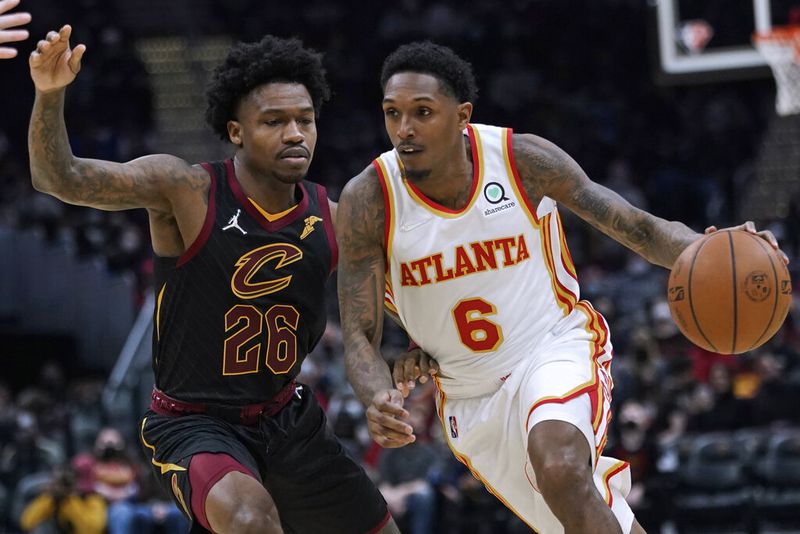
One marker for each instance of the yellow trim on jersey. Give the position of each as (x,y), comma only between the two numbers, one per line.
(476,187)
(465,459)
(563,290)
(269,216)
(565,255)
(542,226)
(165,468)
(564,302)
(389,306)
(600,400)
(388,295)
(610,472)
(158,311)
(510,174)
(388,210)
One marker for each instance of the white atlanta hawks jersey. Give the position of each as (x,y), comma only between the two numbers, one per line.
(477,288)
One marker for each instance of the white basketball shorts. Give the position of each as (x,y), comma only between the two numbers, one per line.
(566,379)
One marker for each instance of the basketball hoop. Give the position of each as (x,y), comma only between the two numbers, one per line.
(780,47)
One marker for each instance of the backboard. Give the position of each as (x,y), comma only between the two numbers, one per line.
(711,40)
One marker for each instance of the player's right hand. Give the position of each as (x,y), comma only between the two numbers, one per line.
(384,423)
(54,64)
(412,366)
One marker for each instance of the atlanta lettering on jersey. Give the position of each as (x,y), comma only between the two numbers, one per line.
(467,259)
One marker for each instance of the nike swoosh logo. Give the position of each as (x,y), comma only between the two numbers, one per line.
(407,227)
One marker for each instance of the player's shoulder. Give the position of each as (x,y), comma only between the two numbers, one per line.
(529,142)
(364,186)
(361,207)
(534,154)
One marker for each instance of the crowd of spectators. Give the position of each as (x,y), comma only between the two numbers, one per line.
(64,468)
(683,153)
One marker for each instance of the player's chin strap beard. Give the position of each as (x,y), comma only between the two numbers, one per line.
(417,176)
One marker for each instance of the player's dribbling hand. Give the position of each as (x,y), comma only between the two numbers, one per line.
(384,423)
(750,227)
(54,64)
(412,366)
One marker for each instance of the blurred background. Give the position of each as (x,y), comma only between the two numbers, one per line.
(712,440)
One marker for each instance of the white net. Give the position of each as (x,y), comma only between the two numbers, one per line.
(781,49)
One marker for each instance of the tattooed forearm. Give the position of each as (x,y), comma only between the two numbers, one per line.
(600,207)
(546,170)
(147,182)
(366,371)
(48,146)
(360,219)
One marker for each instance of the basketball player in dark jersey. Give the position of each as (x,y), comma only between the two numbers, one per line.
(243,249)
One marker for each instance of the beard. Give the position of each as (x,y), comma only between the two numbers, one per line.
(291,178)
(417,176)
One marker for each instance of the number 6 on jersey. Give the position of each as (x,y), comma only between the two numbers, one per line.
(477,333)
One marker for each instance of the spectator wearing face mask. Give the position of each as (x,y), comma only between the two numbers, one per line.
(113,474)
(63,508)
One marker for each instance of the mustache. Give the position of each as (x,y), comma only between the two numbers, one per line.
(294,151)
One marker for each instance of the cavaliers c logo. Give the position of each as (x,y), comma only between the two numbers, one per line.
(248,265)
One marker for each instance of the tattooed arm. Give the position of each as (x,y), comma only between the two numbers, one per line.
(392,315)
(360,217)
(546,170)
(151,182)
(361,266)
(174,193)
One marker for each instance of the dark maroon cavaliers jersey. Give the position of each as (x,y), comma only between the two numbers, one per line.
(238,312)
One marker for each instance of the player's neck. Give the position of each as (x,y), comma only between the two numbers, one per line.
(266,190)
(450,184)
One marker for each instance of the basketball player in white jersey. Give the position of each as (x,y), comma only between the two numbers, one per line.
(456,229)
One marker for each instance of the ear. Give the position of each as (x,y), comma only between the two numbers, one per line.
(464,111)
(235,133)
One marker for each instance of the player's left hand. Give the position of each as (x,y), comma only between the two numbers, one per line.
(412,366)
(750,227)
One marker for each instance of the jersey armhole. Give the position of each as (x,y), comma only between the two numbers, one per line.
(517,181)
(208,224)
(325,209)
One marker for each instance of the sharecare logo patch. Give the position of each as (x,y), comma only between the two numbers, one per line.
(494,194)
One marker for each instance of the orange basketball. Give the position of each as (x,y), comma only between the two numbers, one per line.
(729,292)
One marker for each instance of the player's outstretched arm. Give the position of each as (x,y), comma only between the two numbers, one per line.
(546,170)
(9,27)
(148,182)
(360,218)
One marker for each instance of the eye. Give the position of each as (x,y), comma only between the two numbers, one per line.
(391,112)
(272,122)
(424,111)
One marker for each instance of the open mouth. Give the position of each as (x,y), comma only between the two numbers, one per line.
(407,150)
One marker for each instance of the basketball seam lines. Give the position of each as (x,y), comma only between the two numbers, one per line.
(775,300)
(735,299)
(691,302)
